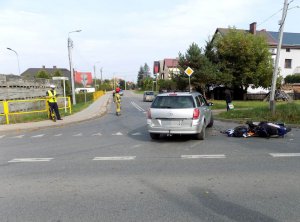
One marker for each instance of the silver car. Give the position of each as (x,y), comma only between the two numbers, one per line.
(148,96)
(179,113)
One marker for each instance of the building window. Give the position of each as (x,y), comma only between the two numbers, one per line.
(287,49)
(288,64)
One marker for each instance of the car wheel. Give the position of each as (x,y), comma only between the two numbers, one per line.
(211,123)
(201,135)
(154,136)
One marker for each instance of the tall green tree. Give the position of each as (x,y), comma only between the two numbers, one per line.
(204,70)
(148,83)
(243,59)
(140,77)
(143,73)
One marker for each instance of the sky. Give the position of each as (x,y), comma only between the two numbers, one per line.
(120,36)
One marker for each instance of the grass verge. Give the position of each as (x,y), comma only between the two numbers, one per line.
(285,112)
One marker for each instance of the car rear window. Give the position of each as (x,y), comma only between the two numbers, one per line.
(149,93)
(173,102)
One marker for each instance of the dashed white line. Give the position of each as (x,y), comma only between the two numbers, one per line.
(217,156)
(117,134)
(20,160)
(97,134)
(2,136)
(136,134)
(285,154)
(37,136)
(60,134)
(79,134)
(19,137)
(115,158)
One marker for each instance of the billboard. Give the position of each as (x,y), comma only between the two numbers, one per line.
(84,78)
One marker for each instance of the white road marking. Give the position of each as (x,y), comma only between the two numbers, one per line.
(136,134)
(37,136)
(285,154)
(2,136)
(117,134)
(137,107)
(218,156)
(20,160)
(19,137)
(115,158)
(58,134)
(79,134)
(97,134)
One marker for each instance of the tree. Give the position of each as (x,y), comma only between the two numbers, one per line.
(148,83)
(204,70)
(243,59)
(57,73)
(166,84)
(140,77)
(147,72)
(143,73)
(42,74)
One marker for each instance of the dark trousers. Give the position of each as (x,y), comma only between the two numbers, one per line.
(54,107)
(227,104)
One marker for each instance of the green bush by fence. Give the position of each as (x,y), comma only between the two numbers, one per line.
(80,98)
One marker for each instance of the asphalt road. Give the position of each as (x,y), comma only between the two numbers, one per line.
(109,169)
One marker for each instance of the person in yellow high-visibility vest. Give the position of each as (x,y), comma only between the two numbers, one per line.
(52,101)
(118,101)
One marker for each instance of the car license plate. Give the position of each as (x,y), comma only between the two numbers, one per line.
(174,123)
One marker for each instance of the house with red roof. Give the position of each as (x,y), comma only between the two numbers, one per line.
(166,69)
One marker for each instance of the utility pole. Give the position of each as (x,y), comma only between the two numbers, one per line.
(95,77)
(101,74)
(275,72)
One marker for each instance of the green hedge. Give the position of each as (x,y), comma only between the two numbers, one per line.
(80,97)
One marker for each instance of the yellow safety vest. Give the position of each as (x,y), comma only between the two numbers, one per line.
(52,96)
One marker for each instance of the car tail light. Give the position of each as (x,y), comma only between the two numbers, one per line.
(196,113)
(149,114)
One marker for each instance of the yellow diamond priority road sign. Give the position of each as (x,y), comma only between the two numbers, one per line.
(189,71)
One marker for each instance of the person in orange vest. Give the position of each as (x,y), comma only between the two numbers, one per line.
(52,101)
(118,101)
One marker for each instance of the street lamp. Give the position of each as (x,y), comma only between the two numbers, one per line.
(95,73)
(70,46)
(17,58)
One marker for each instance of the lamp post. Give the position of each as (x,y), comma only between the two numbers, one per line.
(17,58)
(95,73)
(70,46)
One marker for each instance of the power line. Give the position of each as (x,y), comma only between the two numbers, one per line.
(269,17)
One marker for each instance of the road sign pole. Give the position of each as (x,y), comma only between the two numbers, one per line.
(190,83)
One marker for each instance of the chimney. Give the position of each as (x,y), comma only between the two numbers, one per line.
(253,28)
(43,67)
(54,67)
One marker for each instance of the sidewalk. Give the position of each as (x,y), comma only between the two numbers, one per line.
(96,109)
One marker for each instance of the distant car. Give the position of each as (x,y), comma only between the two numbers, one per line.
(121,93)
(179,113)
(148,96)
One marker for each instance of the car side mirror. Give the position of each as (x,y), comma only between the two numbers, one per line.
(210,104)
